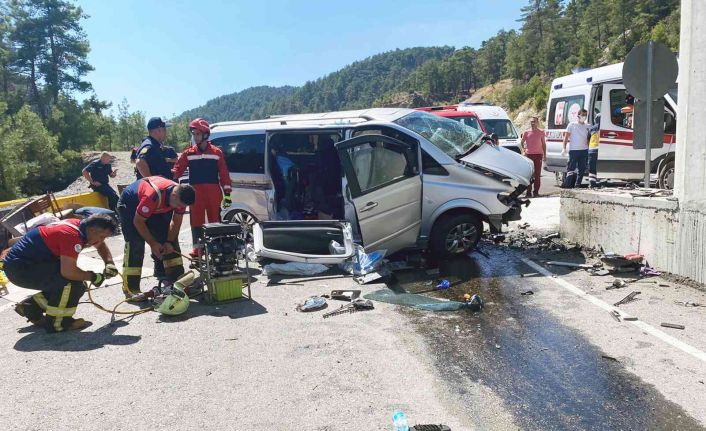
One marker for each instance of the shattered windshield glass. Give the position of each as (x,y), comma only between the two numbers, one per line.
(453,138)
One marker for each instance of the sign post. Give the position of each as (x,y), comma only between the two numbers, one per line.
(648,72)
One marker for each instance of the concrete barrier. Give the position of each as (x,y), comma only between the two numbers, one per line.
(616,221)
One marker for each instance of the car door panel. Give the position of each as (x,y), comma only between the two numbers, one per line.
(385,188)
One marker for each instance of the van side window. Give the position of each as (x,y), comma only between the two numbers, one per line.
(245,154)
(564,110)
(620,111)
(431,166)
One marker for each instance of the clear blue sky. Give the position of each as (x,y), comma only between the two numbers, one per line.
(169,56)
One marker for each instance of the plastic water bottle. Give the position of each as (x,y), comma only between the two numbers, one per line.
(399,421)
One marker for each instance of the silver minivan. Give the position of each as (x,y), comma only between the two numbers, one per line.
(401,179)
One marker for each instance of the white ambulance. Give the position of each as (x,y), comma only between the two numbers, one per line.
(601,91)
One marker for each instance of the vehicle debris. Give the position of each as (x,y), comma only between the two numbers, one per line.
(430,428)
(313,303)
(672,325)
(529,292)
(617,284)
(689,304)
(356,305)
(574,265)
(610,358)
(599,272)
(629,318)
(631,297)
(370,277)
(648,271)
(615,315)
(345,295)
(523,225)
(471,302)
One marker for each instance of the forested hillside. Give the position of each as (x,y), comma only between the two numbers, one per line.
(555,38)
(353,87)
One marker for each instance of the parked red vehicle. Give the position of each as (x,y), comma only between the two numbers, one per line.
(487,118)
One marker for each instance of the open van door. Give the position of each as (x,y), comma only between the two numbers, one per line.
(385,187)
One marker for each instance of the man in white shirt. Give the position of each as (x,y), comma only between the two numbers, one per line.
(576,135)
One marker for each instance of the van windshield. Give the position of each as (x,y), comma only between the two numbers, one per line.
(503,128)
(453,138)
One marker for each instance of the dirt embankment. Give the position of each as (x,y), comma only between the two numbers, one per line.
(121,164)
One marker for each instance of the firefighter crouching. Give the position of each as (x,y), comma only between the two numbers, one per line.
(45,258)
(145,208)
(208,174)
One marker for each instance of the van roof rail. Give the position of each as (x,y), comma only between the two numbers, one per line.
(283,120)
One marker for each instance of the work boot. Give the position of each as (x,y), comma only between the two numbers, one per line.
(71,324)
(30,311)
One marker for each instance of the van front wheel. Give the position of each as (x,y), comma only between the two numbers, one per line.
(456,234)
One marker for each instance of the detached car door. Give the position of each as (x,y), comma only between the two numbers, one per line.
(385,187)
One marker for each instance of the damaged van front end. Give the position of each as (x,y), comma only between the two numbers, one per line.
(512,174)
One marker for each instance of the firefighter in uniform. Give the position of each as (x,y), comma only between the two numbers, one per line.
(145,210)
(208,174)
(44,259)
(150,155)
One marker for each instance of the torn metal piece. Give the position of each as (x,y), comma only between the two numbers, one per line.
(615,315)
(610,358)
(631,297)
(672,325)
(574,265)
(345,295)
(529,292)
(629,318)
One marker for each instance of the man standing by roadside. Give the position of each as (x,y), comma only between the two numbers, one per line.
(576,135)
(534,148)
(150,155)
(209,176)
(97,173)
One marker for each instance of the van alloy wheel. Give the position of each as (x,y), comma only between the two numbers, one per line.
(243,218)
(461,238)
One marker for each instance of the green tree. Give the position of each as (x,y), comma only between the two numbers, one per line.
(65,62)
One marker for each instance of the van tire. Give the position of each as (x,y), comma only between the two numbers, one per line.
(666,176)
(456,234)
(241,217)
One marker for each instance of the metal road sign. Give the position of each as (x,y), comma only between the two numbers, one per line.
(640,122)
(648,72)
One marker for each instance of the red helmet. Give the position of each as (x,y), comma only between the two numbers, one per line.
(201,125)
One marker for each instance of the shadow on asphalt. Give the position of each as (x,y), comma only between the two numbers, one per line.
(235,310)
(40,340)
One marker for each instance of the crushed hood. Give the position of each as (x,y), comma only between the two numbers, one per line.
(502,161)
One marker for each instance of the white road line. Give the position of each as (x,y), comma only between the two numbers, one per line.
(686,348)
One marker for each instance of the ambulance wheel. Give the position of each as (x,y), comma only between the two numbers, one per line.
(666,176)
(559,178)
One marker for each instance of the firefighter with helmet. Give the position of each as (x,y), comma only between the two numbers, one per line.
(208,175)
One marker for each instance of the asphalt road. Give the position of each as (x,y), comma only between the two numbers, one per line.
(550,360)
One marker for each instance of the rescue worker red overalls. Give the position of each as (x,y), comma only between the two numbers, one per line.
(208,173)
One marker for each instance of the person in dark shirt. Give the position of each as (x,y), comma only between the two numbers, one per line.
(170,155)
(97,173)
(150,156)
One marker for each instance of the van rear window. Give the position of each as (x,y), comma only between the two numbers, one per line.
(245,154)
(564,110)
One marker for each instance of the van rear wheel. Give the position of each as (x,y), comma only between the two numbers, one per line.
(242,218)
(456,234)
(666,176)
